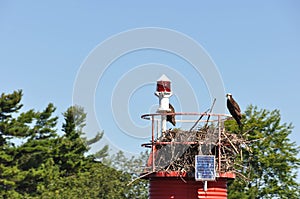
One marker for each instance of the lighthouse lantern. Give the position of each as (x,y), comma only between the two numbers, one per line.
(163,92)
(163,86)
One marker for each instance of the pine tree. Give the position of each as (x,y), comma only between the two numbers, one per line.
(10,174)
(31,156)
(72,146)
(35,162)
(34,132)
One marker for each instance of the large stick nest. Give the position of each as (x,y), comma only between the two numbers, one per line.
(176,149)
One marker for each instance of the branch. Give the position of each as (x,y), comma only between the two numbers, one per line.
(230,142)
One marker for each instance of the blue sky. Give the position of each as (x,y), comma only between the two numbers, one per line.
(255,47)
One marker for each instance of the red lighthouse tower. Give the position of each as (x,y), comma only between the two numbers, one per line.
(187,164)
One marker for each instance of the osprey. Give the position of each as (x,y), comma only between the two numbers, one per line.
(171,118)
(234,109)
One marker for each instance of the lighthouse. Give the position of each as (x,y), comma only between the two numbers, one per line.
(187,163)
(163,92)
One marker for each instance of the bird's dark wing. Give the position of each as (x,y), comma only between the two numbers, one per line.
(171,118)
(235,104)
(234,110)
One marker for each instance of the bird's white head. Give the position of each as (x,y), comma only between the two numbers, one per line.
(228,95)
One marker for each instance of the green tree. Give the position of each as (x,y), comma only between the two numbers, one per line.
(37,149)
(19,163)
(83,177)
(35,162)
(71,147)
(98,181)
(272,159)
(11,127)
(131,167)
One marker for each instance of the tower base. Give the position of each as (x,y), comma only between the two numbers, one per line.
(186,188)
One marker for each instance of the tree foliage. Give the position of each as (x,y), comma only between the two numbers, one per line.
(131,167)
(35,162)
(271,162)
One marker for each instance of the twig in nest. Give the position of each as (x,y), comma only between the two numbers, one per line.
(248,131)
(132,181)
(210,111)
(230,142)
(242,176)
(198,120)
(182,179)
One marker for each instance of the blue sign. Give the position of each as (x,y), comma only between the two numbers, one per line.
(205,168)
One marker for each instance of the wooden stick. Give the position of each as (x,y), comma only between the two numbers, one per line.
(140,177)
(230,142)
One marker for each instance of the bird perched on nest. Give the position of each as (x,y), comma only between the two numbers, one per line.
(171,118)
(234,109)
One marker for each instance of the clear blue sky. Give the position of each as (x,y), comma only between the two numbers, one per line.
(255,46)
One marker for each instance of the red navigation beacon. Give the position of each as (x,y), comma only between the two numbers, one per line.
(163,84)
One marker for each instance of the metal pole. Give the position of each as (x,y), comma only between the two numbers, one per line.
(219,143)
(163,123)
(205,186)
(153,145)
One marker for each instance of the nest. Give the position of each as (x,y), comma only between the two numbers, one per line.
(176,149)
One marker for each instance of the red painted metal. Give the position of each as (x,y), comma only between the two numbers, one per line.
(219,143)
(153,147)
(215,190)
(148,116)
(226,175)
(163,86)
(186,188)
(187,143)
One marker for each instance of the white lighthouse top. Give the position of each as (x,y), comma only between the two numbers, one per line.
(164,78)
